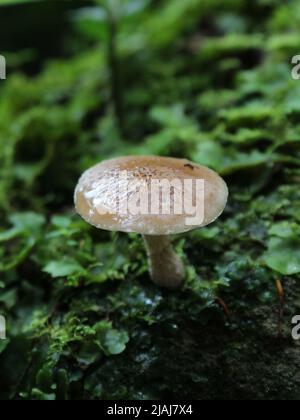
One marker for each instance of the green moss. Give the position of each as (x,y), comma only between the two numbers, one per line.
(84,320)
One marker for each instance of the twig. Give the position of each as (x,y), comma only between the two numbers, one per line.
(114,67)
(281,294)
(224,306)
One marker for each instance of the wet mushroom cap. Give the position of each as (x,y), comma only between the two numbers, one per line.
(104,190)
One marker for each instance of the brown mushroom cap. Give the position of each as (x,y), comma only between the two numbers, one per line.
(96,194)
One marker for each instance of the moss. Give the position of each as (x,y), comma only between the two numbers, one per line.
(84,320)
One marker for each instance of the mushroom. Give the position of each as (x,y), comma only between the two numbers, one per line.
(156,197)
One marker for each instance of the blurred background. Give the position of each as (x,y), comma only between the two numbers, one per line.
(207,80)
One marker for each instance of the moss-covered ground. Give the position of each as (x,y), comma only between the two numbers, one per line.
(205,80)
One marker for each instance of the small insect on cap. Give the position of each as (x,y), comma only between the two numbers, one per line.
(150,195)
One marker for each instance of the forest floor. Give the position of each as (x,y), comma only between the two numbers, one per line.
(208,81)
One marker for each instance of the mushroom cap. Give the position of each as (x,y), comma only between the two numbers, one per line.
(104,191)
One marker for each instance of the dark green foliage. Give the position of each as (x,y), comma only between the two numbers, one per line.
(207,80)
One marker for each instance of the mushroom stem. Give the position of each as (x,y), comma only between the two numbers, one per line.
(166,267)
